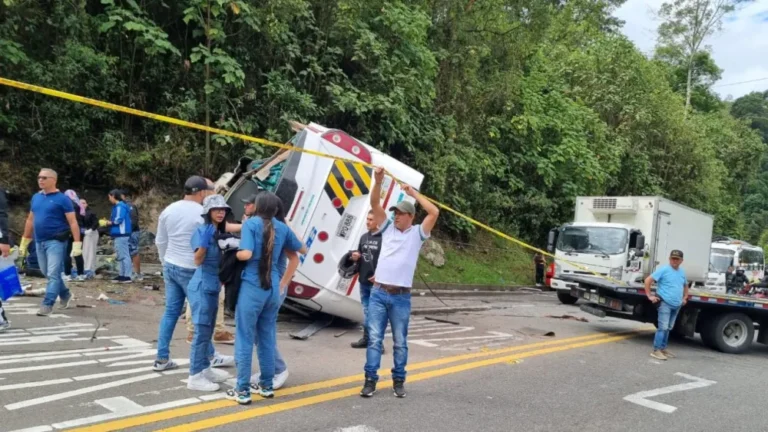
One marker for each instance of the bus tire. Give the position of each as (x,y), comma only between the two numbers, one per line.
(565,297)
(730,333)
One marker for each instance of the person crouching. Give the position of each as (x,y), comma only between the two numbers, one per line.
(203,293)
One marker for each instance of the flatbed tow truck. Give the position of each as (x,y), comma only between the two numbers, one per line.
(725,322)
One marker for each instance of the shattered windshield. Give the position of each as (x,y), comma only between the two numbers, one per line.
(599,240)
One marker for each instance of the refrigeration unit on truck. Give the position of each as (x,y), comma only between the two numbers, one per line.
(326,202)
(625,238)
(727,252)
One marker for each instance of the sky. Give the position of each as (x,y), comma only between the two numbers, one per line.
(740,49)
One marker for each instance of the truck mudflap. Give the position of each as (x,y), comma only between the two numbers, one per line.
(600,300)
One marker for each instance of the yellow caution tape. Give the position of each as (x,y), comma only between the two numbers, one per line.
(183,123)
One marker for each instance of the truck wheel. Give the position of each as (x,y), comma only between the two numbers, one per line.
(566,298)
(729,333)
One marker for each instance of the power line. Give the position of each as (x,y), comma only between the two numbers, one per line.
(742,82)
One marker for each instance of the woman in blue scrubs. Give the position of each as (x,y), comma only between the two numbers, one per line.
(263,240)
(203,293)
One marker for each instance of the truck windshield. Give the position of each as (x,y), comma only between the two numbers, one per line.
(720,260)
(751,259)
(599,240)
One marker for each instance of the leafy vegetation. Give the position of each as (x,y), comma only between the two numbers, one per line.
(511,108)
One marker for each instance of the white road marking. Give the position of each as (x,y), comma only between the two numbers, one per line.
(35,384)
(35,429)
(85,390)
(641,397)
(62,326)
(46,367)
(39,359)
(430,342)
(143,353)
(133,409)
(127,343)
(359,428)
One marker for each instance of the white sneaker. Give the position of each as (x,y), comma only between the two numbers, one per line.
(277,382)
(215,375)
(201,383)
(220,360)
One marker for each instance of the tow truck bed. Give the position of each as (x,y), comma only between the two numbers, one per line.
(725,322)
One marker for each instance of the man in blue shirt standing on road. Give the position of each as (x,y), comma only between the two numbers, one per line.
(52,219)
(671,295)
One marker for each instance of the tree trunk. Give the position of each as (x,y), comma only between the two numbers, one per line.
(688,88)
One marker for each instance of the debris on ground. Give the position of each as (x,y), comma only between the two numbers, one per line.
(340,334)
(568,317)
(549,334)
(103,297)
(115,302)
(85,306)
(440,320)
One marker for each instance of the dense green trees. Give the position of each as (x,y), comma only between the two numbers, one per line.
(510,107)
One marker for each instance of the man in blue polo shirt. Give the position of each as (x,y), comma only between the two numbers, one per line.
(52,219)
(671,294)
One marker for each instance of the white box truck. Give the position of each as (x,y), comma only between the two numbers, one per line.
(626,238)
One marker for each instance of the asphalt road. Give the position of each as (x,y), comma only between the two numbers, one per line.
(513,367)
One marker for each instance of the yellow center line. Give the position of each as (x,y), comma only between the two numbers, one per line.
(340,394)
(117,425)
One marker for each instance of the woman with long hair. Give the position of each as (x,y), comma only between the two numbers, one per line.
(263,240)
(203,293)
(90,229)
(79,273)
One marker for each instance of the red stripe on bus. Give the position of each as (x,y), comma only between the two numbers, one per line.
(296,207)
(352,285)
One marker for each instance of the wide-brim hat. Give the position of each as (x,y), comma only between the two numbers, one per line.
(214,202)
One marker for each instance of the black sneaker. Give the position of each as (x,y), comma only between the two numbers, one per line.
(399,387)
(362,343)
(124,280)
(369,388)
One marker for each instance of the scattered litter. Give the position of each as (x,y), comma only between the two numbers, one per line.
(26,287)
(85,306)
(422,294)
(148,301)
(115,302)
(103,297)
(440,320)
(515,361)
(340,334)
(34,292)
(568,317)
(115,292)
(90,297)
(550,334)
(152,287)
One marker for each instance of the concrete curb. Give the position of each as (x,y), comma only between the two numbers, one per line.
(474,293)
(448,310)
(440,286)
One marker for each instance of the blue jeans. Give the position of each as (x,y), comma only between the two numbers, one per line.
(50,255)
(203,293)
(123,256)
(256,321)
(176,281)
(280,365)
(667,317)
(365,298)
(395,308)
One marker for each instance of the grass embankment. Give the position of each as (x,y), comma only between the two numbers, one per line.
(486,260)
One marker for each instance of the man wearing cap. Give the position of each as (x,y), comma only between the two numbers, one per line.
(671,294)
(390,299)
(177,223)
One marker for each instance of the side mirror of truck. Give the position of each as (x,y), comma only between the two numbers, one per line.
(552,240)
(639,242)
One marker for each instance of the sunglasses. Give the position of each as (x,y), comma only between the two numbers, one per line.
(43,178)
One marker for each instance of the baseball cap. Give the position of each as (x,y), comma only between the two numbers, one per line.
(676,254)
(196,184)
(251,199)
(404,207)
